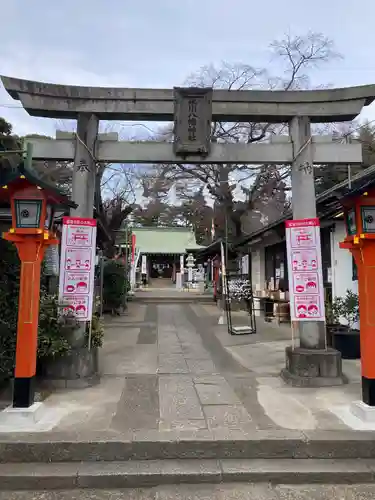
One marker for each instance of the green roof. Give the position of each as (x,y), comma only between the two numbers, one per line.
(165,240)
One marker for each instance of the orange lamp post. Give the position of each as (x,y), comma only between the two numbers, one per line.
(360,241)
(33,202)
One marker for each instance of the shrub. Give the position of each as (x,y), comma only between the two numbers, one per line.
(347,307)
(9,288)
(115,285)
(55,329)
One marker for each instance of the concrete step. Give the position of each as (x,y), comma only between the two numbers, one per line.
(152,445)
(148,473)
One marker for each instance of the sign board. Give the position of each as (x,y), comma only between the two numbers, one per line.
(133,248)
(190,274)
(51,261)
(144,264)
(304,254)
(192,121)
(245,264)
(77,266)
(178,281)
(182,264)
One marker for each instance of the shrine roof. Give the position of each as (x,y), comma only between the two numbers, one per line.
(21,174)
(165,240)
(328,203)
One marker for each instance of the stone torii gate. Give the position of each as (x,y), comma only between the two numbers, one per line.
(193,110)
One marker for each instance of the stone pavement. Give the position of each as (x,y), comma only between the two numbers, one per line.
(181,401)
(239,491)
(172,368)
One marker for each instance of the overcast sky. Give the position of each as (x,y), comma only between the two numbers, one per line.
(158,43)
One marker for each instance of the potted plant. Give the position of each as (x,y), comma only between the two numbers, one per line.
(347,339)
(333,312)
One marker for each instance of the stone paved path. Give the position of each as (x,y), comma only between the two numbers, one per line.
(164,369)
(174,376)
(172,368)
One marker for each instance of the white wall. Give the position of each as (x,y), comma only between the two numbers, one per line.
(342,265)
(257,268)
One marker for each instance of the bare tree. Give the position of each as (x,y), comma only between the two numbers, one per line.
(236,188)
(116,189)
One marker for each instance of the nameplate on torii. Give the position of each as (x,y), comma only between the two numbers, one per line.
(192,121)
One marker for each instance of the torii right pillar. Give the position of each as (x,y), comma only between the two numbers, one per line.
(312,364)
(360,241)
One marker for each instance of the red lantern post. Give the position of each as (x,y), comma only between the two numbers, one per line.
(32,204)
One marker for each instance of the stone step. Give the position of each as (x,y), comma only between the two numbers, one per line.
(174,300)
(153,445)
(148,473)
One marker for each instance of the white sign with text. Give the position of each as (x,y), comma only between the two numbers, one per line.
(306,291)
(77,266)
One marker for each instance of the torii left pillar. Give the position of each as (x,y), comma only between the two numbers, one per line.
(84,173)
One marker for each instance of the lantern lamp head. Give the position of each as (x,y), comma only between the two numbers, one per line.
(32,200)
(360,215)
(28,213)
(28,206)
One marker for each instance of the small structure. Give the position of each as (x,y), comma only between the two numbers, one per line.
(360,241)
(33,202)
(159,250)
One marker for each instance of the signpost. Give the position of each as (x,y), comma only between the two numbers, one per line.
(306,290)
(51,261)
(76,287)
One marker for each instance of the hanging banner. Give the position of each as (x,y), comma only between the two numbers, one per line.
(77,266)
(133,247)
(305,275)
(223,270)
(144,264)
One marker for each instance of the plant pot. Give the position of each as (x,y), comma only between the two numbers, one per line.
(348,343)
(331,328)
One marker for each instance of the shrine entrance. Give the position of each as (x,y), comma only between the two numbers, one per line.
(193,111)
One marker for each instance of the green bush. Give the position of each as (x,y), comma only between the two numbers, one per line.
(9,288)
(55,329)
(347,307)
(115,285)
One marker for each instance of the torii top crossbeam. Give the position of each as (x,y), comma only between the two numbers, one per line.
(110,103)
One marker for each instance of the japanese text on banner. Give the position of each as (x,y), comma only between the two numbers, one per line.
(77,264)
(306,291)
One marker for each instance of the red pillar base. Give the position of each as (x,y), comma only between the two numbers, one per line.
(23,392)
(368,391)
